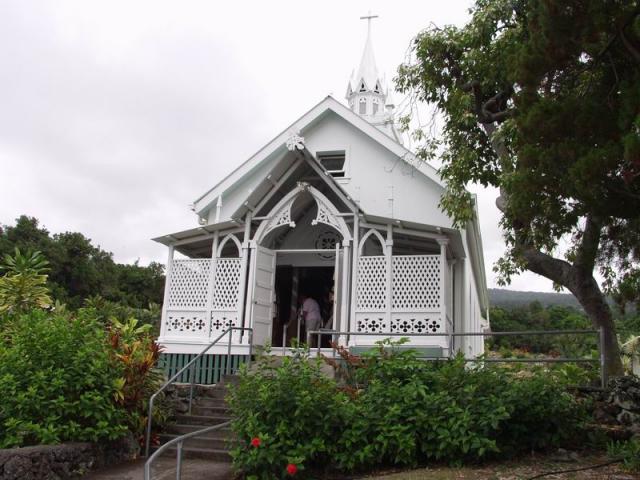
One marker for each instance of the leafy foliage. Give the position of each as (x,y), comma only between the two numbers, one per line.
(25,285)
(135,354)
(57,381)
(293,409)
(540,100)
(392,410)
(629,452)
(79,270)
(536,317)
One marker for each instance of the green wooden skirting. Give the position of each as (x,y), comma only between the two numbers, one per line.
(207,370)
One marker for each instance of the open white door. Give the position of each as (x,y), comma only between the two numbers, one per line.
(264,273)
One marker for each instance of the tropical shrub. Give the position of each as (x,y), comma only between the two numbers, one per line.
(285,414)
(389,408)
(24,286)
(135,354)
(57,381)
(542,413)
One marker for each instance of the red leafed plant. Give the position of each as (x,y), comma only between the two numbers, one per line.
(135,354)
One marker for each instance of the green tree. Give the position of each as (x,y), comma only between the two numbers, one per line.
(79,269)
(541,99)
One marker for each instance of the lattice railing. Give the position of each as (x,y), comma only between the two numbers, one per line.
(371,294)
(189,283)
(415,295)
(188,314)
(227,284)
(416,283)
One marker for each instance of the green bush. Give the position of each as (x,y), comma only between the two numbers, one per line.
(393,410)
(542,413)
(56,381)
(628,452)
(292,409)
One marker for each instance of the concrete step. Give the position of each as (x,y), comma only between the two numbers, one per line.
(220,410)
(220,455)
(209,402)
(181,429)
(202,420)
(205,441)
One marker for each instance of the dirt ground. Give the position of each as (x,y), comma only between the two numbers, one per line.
(520,469)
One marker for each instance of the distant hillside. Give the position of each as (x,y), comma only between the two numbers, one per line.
(500,297)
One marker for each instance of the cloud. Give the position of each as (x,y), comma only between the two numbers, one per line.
(114,116)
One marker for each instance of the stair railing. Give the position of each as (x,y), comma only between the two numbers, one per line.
(178,442)
(191,366)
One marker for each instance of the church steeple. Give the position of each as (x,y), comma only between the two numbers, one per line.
(367,92)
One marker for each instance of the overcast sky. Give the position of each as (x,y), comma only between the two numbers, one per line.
(116,115)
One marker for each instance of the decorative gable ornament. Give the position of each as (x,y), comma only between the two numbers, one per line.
(295,141)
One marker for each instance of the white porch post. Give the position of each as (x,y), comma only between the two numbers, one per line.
(243,274)
(165,303)
(212,279)
(388,252)
(344,295)
(443,285)
(354,275)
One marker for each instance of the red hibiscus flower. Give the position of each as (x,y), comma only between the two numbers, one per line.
(292,469)
(255,442)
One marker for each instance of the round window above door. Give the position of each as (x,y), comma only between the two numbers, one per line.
(327,240)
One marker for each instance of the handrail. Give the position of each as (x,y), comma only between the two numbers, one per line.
(191,375)
(450,335)
(179,440)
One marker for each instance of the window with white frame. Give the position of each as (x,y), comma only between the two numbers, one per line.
(376,105)
(333,162)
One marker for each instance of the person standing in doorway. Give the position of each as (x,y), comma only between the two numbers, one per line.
(311,317)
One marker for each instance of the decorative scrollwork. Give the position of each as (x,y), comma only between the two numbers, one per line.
(326,217)
(295,141)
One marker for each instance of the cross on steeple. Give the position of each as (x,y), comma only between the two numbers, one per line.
(368,18)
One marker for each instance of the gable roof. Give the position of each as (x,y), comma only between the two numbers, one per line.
(329,104)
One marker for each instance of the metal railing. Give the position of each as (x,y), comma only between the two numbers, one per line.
(451,335)
(178,441)
(191,366)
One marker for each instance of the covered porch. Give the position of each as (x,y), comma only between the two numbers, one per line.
(389,278)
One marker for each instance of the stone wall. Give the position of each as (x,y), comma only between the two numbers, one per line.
(619,407)
(65,461)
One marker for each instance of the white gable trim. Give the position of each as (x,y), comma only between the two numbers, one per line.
(280,214)
(278,143)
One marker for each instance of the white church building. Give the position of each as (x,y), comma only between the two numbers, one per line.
(334,203)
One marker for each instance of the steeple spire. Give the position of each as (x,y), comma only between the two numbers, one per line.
(367,92)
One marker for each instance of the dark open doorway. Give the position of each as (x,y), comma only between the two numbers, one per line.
(290,281)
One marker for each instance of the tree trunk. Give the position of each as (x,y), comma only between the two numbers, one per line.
(579,281)
(588,293)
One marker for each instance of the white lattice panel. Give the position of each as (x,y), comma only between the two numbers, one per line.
(416,283)
(227,284)
(186,324)
(416,323)
(371,323)
(189,283)
(371,291)
(220,321)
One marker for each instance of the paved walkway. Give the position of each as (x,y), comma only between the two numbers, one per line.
(164,469)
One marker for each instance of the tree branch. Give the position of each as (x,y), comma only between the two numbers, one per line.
(556,270)
(625,41)
(491,110)
(588,249)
